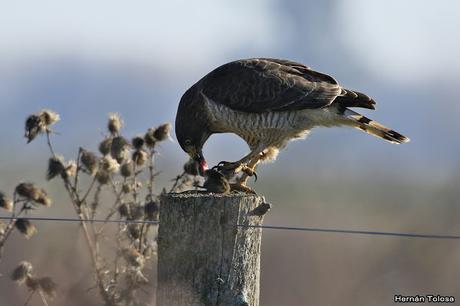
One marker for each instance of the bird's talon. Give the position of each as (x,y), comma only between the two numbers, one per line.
(229,166)
(249,172)
(221,164)
(242,188)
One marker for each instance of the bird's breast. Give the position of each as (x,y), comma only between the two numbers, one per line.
(267,128)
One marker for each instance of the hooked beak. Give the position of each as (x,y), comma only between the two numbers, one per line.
(200,164)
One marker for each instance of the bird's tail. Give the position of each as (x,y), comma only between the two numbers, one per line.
(374,128)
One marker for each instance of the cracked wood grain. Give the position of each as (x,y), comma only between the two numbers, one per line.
(203,257)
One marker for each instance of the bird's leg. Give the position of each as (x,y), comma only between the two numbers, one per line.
(234,167)
(242,188)
(240,185)
(238,166)
(248,169)
(251,170)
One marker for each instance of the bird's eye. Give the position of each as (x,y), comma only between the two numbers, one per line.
(188,142)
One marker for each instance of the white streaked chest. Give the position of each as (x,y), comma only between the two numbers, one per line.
(269,128)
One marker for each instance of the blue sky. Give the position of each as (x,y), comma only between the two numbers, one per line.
(399,34)
(88,58)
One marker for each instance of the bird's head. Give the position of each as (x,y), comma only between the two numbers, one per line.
(195,151)
(192,129)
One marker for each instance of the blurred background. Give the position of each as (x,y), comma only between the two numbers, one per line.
(86,59)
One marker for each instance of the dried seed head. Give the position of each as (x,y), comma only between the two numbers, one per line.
(33,193)
(134,231)
(115,123)
(190,167)
(123,210)
(162,132)
(133,257)
(140,157)
(32,283)
(28,190)
(136,212)
(109,164)
(70,169)
(124,155)
(103,177)
(43,198)
(5,202)
(49,117)
(149,137)
(48,286)
(152,210)
(138,142)
(127,188)
(55,167)
(119,143)
(127,169)
(119,149)
(105,146)
(22,272)
(34,126)
(88,160)
(25,227)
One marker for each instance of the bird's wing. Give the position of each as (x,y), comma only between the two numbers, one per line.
(261,85)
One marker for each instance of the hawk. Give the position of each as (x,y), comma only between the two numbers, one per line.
(267,102)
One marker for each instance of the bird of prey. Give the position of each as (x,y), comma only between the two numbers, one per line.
(267,102)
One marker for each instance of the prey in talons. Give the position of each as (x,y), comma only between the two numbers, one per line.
(218,182)
(233,168)
(227,171)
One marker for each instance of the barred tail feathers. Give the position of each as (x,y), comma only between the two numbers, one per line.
(374,128)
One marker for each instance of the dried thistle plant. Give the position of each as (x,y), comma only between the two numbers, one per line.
(55,167)
(163,132)
(89,161)
(29,196)
(5,202)
(125,172)
(22,272)
(39,123)
(25,227)
(25,197)
(45,286)
(105,146)
(188,179)
(49,117)
(114,124)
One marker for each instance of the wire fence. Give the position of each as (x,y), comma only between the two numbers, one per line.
(270,227)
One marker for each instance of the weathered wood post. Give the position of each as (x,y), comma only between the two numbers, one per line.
(204,258)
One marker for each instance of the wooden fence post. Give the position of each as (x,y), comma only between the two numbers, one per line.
(204,258)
